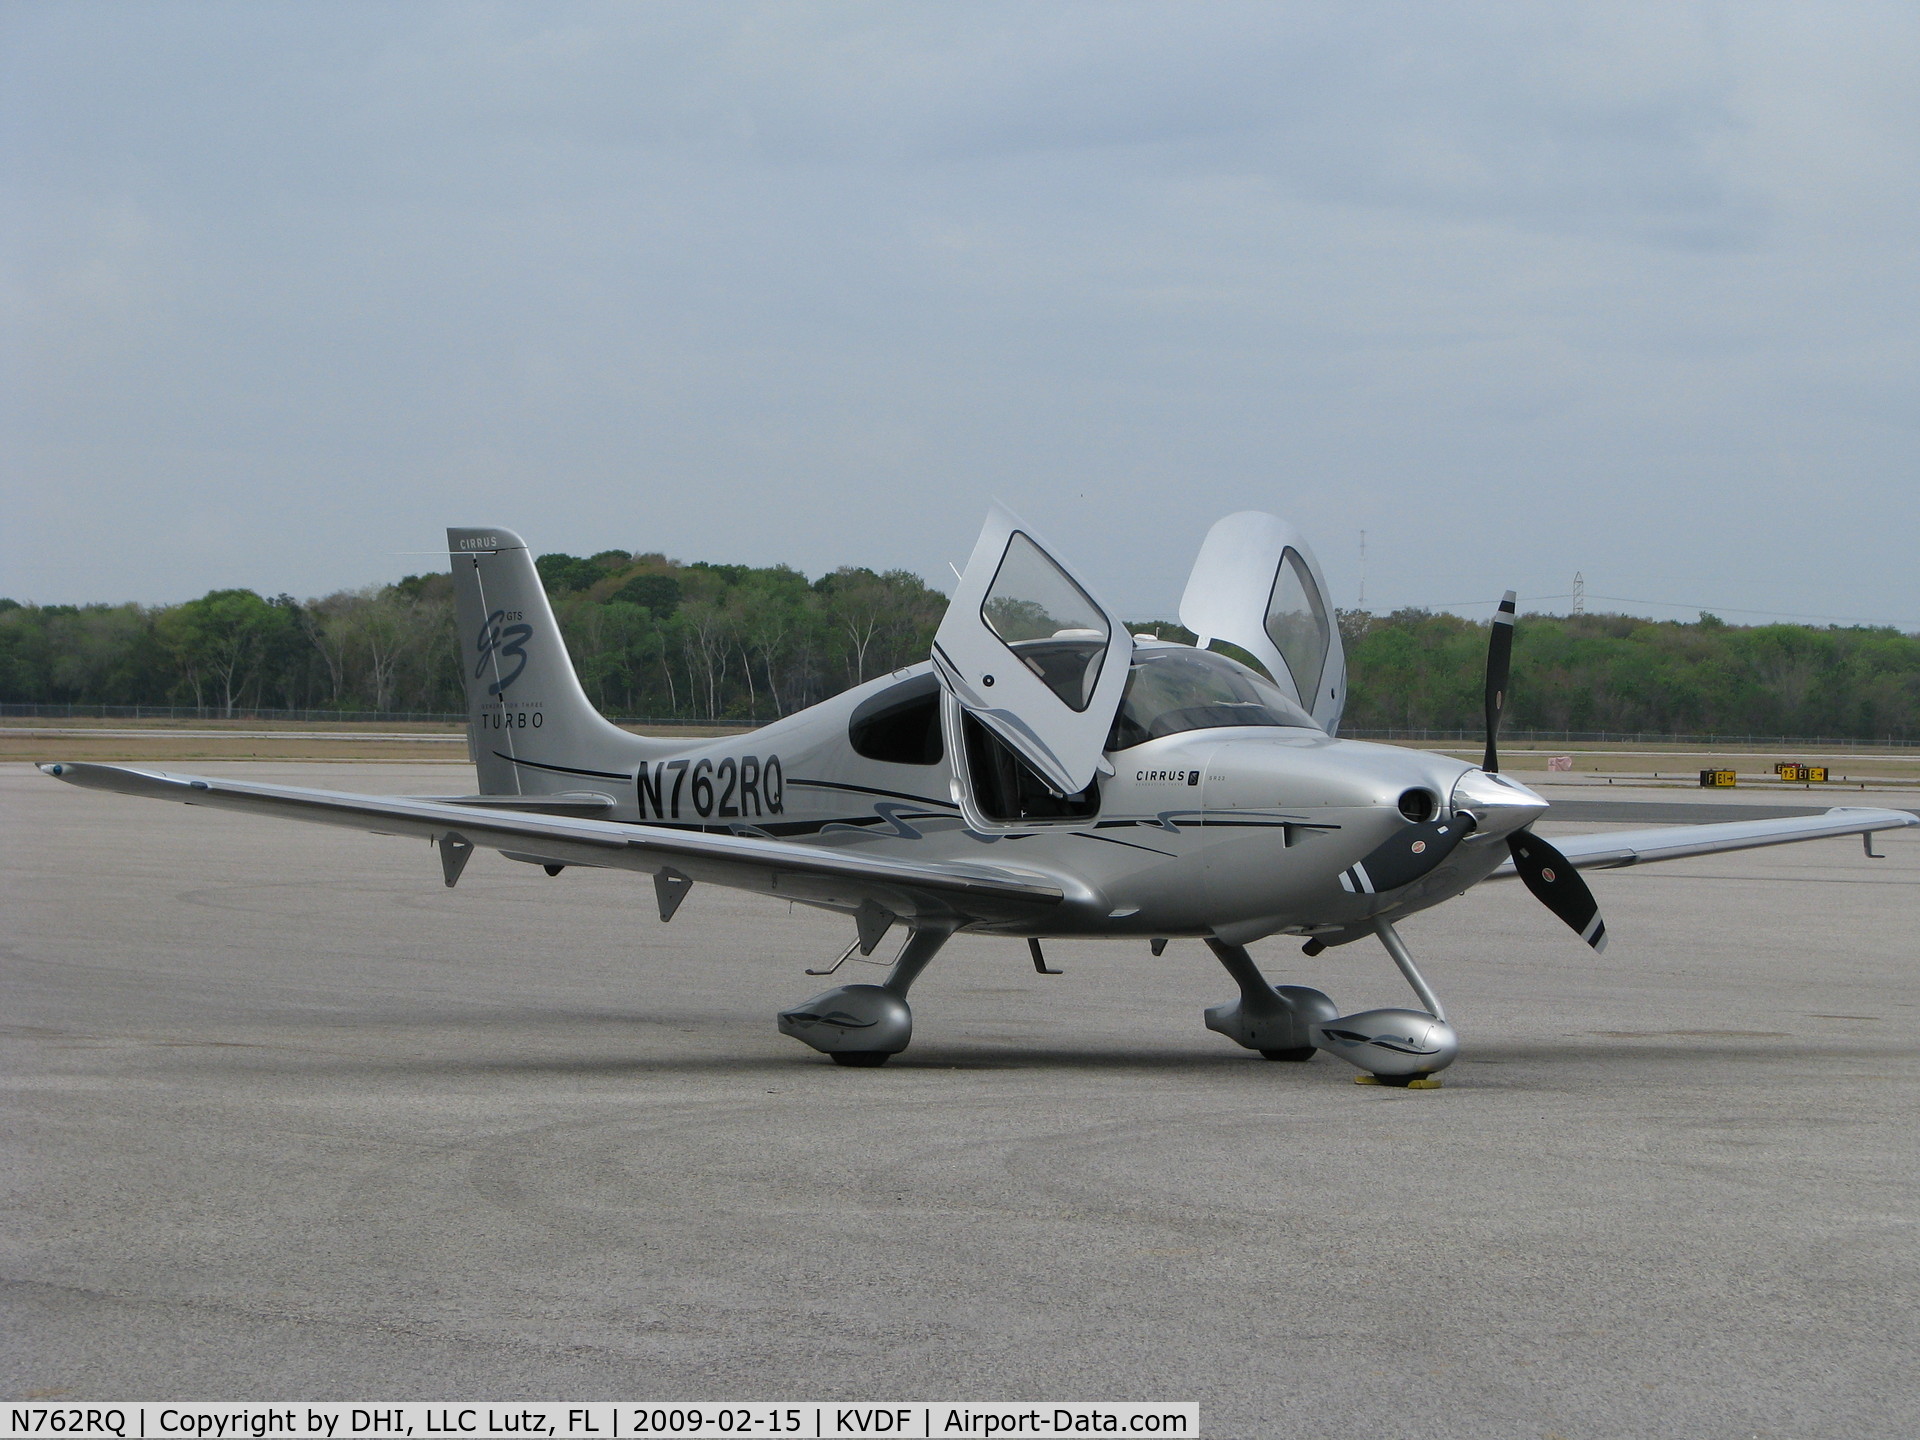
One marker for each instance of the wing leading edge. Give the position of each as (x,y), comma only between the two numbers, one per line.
(784,868)
(1678,842)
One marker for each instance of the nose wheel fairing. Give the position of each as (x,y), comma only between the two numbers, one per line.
(1392,1046)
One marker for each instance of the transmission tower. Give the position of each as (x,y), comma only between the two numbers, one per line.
(1579,593)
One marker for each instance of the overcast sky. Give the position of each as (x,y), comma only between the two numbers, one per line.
(1519,289)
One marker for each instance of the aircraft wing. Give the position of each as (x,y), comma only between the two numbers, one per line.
(815,874)
(1679,842)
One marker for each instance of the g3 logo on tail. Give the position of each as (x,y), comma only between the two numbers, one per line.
(504,640)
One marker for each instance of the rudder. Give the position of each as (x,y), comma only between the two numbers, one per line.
(531,729)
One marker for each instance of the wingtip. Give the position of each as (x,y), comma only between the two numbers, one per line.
(1907,817)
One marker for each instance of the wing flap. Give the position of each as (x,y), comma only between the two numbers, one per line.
(565,803)
(1679,842)
(744,862)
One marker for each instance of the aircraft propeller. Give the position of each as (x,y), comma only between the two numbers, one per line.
(1416,849)
(1545,871)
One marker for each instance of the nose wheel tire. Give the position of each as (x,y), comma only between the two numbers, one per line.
(1298,1052)
(864,1059)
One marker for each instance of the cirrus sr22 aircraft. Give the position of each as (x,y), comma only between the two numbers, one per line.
(1045,774)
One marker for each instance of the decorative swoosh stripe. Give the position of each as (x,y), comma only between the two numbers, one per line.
(869,790)
(563,769)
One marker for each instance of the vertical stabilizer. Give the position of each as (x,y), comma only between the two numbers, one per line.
(531,728)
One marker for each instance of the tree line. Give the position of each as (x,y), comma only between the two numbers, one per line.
(650,637)
(653,638)
(1624,674)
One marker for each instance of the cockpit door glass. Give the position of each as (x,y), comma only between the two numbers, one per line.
(1028,651)
(1297,622)
(1256,586)
(1047,620)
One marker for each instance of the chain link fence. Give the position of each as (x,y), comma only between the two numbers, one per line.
(19,710)
(1637,737)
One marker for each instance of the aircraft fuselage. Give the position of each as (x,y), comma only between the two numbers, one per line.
(1233,828)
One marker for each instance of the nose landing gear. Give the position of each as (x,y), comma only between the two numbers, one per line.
(1390,1046)
(1395,1046)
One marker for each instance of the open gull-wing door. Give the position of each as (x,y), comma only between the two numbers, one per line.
(1255,584)
(1028,653)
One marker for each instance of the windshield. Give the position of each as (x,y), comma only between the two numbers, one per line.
(1175,688)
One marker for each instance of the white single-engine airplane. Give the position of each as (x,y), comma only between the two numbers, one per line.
(1047,774)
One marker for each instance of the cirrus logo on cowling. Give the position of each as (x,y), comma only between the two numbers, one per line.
(497,639)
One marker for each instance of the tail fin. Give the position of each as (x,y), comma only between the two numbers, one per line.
(530,728)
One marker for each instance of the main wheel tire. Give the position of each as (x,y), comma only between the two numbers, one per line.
(1302,1052)
(864,1059)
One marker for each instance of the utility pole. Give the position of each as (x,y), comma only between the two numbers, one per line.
(1363,571)
(1579,593)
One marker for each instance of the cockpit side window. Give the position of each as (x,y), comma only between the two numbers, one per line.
(1173,688)
(1297,623)
(901,724)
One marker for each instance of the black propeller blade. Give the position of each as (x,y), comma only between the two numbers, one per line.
(1558,886)
(1554,882)
(1499,670)
(1406,855)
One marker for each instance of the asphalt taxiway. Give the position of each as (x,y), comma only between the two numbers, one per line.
(287,1119)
